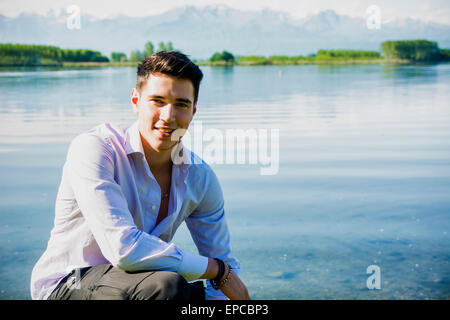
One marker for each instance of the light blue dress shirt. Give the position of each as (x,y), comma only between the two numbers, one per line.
(106,211)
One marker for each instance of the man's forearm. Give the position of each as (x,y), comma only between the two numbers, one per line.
(234,288)
(212,270)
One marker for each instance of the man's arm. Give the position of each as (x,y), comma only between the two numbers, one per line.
(233,288)
(209,231)
(90,169)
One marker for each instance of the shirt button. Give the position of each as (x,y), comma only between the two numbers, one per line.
(153,207)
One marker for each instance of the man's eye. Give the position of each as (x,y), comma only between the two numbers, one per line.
(182,105)
(156,101)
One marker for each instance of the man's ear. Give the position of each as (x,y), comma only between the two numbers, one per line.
(194,109)
(135,97)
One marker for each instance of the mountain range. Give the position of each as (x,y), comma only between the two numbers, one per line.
(201,31)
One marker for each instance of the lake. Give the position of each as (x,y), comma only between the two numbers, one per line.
(361,172)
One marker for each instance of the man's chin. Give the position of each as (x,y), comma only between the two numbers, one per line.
(165,146)
(159,144)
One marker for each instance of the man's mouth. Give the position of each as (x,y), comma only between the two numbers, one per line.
(164,131)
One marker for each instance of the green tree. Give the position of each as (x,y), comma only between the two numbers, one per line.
(148,49)
(166,47)
(136,56)
(28,55)
(82,55)
(347,55)
(444,54)
(224,56)
(118,57)
(414,50)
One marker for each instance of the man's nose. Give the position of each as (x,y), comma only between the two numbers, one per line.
(167,113)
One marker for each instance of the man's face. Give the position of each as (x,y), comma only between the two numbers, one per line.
(164,105)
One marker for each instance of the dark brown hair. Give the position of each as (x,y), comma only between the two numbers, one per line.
(171,63)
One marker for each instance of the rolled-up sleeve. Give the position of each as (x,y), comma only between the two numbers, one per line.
(90,168)
(209,230)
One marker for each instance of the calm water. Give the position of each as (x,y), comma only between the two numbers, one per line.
(363,179)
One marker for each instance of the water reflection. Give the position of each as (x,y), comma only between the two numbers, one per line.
(363,178)
(422,73)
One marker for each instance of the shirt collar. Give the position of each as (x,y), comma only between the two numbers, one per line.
(182,157)
(133,143)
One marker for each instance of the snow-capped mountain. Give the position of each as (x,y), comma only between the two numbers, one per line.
(201,31)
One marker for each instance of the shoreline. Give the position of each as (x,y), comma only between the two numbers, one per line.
(306,62)
(99,64)
(74,65)
(224,64)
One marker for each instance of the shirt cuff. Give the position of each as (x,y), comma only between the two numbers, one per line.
(193,266)
(213,294)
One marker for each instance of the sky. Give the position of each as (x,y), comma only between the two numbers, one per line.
(431,10)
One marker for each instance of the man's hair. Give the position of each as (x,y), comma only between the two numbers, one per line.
(171,63)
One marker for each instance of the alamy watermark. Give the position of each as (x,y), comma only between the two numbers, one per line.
(373,20)
(74,19)
(374,280)
(230,146)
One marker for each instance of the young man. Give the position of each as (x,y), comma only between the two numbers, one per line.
(122,197)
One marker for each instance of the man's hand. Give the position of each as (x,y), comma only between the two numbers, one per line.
(234,288)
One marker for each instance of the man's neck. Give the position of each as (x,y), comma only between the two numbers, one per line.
(158,162)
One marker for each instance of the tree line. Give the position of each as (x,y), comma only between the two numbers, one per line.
(347,55)
(35,55)
(227,58)
(138,55)
(406,50)
(414,50)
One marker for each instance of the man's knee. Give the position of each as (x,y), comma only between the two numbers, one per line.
(167,285)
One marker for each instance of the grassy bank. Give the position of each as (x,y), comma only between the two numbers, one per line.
(98,64)
(242,62)
(407,51)
(290,62)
